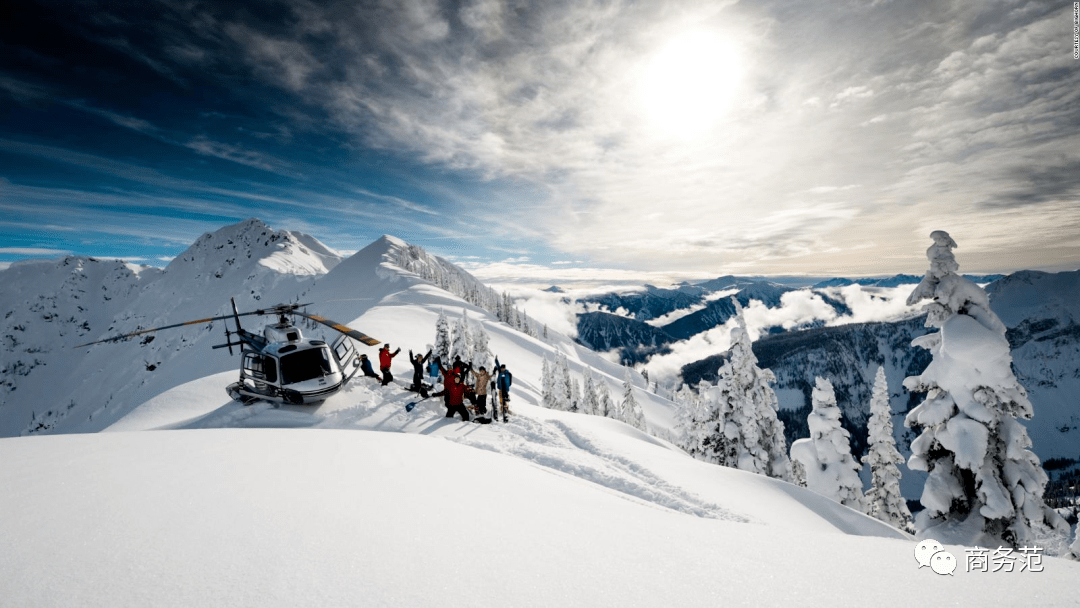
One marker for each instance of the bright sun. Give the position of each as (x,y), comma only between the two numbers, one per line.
(690,82)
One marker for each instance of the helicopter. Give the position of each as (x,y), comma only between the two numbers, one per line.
(281,365)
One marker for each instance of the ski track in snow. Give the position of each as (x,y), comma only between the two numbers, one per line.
(548,444)
(552,445)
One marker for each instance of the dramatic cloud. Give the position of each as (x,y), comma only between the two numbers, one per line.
(819,139)
(33,251)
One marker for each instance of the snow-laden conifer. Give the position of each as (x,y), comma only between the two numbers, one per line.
(559,387)
(566,387)
(684,400)
(710,423)
(442,339)
(884,500)
(798,473)
(826,455)
(481,355)
(701,422)
(546,381)
(575,395)
(985,486)
(631,410)
(589,401)
(606,405)
(752,433)
(461,342)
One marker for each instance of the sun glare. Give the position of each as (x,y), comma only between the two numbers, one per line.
(690,83)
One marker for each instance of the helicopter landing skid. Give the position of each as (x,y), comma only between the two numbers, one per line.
(244,398)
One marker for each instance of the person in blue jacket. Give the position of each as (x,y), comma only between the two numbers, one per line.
(433,368)
(503,382)
(365,366)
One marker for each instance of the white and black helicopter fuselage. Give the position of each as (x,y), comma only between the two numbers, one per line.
(280,365)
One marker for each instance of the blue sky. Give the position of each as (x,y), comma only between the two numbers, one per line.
(549,139)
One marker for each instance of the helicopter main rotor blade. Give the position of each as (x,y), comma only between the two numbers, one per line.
(345,329)
(152,329)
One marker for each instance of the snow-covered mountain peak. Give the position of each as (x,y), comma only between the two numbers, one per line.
(54,299)
(1040,295)
(252,243)
(393,259)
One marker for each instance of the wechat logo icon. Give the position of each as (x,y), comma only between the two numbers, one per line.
(930,553)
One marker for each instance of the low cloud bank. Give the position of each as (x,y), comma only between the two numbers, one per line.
(797,308)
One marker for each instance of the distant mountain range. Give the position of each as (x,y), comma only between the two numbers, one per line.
(635,340)
(701,309)
(645,305)
(899,279)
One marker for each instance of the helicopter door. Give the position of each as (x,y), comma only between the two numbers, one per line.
(346,356)
(259,368)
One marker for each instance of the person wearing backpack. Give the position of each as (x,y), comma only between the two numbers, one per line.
(503,382)
(482,380)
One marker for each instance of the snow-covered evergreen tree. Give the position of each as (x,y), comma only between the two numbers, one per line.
(589,401)
(631,410)
(884,500)
(701,423)
(442,339)
(826,455)
(481,352)
(606,406)
(684,400)
(560,389)
(798,473)
(575,396)
(753,434)
(710,431)
(461,340)
(985,486)
(546,381)
(566,387)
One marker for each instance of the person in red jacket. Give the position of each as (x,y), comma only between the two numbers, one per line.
(384,363)
(455,398)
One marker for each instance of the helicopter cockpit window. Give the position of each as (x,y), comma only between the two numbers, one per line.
(261,367)
(305,365)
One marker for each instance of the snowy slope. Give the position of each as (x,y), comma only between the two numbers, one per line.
(550,509)
(371,292)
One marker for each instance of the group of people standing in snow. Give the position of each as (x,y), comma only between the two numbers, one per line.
(456,385)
